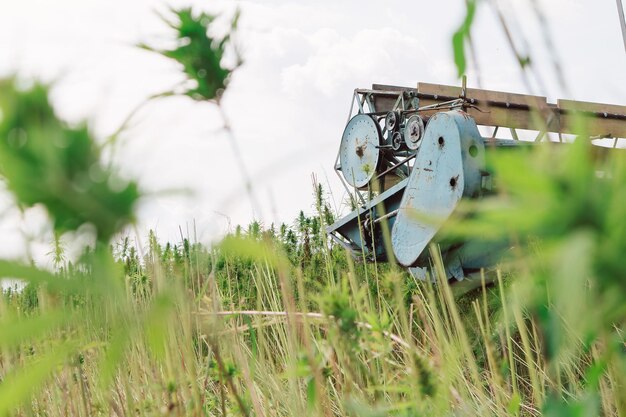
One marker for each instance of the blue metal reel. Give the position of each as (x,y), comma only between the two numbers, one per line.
(359,152)
(447,167)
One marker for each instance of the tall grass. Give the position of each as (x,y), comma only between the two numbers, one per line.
(249,330)
(278,321)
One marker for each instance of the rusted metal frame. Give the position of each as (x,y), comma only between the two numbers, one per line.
(540,136)
(463,94)
(393,90)
(495,131)
(361,103)
(343,244)
(354,97)
(543,132)
(359,99)
(370,103)
(400,102)
(386,216)
(395,166)
(507,143)
(368,206)
(393,93)
(443,105)
(520,106)
(451,103)
(498,103)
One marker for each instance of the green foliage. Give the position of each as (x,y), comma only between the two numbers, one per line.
(563,209)
(567,211)
(462,35)
(200,54)
(337,305)
(46,162)
(280,321)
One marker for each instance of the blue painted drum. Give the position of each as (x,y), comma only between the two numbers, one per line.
(447,167)
(359,155)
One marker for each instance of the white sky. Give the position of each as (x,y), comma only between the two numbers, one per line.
(288,104)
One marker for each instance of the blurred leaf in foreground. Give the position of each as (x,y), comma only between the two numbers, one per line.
(201,54)
(45,161)
(459,37)
(562,206)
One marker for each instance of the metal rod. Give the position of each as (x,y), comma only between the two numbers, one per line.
(404,161)
(386,216)
(622,20)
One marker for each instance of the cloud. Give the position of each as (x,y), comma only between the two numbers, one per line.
(287,104)
(383,55)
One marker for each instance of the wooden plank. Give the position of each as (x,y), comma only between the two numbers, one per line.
(518,111)
(482,95)
(591,107)
(512,112)
(386,103)
(575,118)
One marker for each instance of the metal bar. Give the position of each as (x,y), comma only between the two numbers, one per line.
(622,20)
(386,216)
(543,132)
(399,100)
(370,103)
(393,167)
(354,97)
(540,136)
(506,143)
(343,244)
(360,103)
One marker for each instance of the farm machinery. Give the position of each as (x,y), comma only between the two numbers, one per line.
(408,156)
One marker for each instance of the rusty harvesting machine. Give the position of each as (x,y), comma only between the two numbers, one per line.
(421,151)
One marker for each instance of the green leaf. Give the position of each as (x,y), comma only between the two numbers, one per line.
(514,405)
(459,37)
(311,394)
(16,330)
(251,249)
(18,387)
(201,55)
(45,161)
(156,325)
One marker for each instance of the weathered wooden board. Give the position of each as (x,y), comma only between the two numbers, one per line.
(518,111)
(575,117)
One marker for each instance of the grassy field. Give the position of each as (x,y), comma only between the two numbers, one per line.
(277,321)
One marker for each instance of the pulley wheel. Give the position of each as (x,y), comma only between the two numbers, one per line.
(359,155)
(392,120)
(413,132)
(396,141)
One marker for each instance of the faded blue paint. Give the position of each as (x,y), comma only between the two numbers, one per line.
(447,167)
(360,238)
(359,155)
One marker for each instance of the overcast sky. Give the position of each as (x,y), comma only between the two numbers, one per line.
(288,104)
